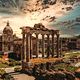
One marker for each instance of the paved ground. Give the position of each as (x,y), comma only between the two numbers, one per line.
(22,77)
(18,76)
(8,70)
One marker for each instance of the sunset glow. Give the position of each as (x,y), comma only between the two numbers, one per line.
(33,14)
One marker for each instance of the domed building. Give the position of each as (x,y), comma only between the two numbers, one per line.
(7,39)
(10,43)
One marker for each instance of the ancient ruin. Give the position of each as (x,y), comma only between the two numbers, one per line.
(27,50)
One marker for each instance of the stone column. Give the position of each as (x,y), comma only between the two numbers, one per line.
(53,47)
(23,54)
(57,45)
(31,48)
(43,46)
(27,47)
(37,46)
(61,47)
(48,46)
(24,48)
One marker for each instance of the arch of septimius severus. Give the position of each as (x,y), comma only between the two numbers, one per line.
(27,50)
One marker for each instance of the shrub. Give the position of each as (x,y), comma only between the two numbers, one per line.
(7,77)
(77,74)
(70,76)
(18,63)
(2,72)
(59,76)
(3,65)
(71,68)
(12,64)
(17,69)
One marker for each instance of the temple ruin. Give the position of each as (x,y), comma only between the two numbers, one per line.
(27,49)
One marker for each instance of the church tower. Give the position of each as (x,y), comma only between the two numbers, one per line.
(7,38)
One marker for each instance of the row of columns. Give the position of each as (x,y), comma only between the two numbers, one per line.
(28,47)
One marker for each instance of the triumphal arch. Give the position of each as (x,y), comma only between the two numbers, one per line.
(48,36)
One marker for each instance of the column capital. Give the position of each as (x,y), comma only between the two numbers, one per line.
(57,34)
(48,34)
(42,34)
(36,33)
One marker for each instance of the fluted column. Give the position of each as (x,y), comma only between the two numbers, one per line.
(27,47)
(37,46)
(53,47)
(57,45)
(43,46)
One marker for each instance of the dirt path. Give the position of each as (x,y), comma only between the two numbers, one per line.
(23,77)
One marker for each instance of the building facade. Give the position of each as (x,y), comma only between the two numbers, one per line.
(72,43)
(10,43)
(6,39)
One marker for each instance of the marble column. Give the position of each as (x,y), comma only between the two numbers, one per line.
(27,47)
(61,48)
(53,47)
(48,46)
(31,47)
(57,45)
(37,46)
(24,47)
(43,46)
(23,54)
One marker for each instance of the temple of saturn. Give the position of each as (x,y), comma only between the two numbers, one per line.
(27,48)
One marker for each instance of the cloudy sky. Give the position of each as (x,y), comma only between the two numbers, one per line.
(53,14)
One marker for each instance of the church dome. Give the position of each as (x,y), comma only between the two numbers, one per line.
(8,29)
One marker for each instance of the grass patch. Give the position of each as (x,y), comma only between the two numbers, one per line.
(3,65)
(72,55)
(65,66)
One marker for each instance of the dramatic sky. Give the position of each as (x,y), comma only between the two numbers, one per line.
(52,13)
